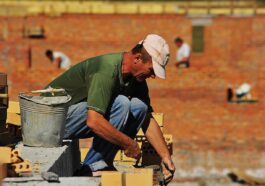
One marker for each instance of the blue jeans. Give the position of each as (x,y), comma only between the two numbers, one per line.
(125,115)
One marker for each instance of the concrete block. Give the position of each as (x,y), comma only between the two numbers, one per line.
(111,178)
(102,8)
(139,177)
(243,11)
(218,11)
(171,8)
(197,11)
(118,156)
(22,167)
(75,7)
(150,8)
(83,152)
(13,119)
(159,117)
(5,155)
(140,133)
(13,107)
(58,8)
(35,9)
(125,8)
(87,7)
(168,138)
(260,11)
(63,161)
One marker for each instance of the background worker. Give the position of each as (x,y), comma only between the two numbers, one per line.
(110,102)
(183,53)
(59,59)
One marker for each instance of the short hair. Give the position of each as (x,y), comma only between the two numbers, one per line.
(48,52)
(178,40)
(139,48)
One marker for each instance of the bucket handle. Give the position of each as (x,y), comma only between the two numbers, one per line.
(47,90)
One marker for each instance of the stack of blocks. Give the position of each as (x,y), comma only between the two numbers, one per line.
(130,178)
(5,158)
(149,155)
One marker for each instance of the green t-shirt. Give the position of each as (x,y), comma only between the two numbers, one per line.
(99,81)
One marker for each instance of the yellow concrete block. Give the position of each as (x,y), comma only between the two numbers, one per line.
(159,117)
(222,11)
(47,9)
(260,11)
(197,11)
(243,11)
(127,8)
(102,8)
(181,11)
(58,7)
(35,9)
(13,119)
(21,167)
(87,7)
(150,8)
(83,152)
(5,155)
(140,139)
(171,8)
(140,132)
(168,138)
(13,113)
(118,156)
(13,107)
(111,178)
(76,7)
(139,177)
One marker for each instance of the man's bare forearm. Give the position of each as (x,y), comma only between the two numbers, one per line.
(154,135)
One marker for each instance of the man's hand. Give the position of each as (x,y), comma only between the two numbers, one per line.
(133,150)
(168,170)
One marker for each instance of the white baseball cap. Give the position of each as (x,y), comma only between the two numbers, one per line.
(158,49)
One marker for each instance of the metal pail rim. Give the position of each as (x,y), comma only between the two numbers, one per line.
(43,100)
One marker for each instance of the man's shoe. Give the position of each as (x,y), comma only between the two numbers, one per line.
(98,173)
(83,171)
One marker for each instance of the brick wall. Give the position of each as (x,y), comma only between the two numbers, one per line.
(193,100)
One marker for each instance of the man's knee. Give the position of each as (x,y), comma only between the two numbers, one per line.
(123,103)
(77,109)
(138,106)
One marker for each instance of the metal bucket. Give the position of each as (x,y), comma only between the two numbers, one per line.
(42,125)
